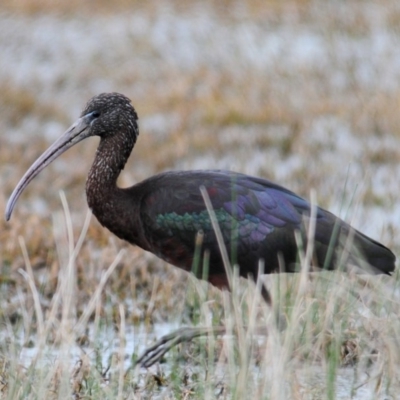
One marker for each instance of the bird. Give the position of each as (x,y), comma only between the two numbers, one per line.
(166,214)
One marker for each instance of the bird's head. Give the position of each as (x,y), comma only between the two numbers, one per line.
(108,113)
(105,115)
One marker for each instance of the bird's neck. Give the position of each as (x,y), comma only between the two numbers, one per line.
(101,186)
(117,209)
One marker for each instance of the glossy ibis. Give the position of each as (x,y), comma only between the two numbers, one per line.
(164,214)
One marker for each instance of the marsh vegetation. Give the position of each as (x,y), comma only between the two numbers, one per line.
(305,93)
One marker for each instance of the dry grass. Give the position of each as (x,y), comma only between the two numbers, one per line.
(284,121)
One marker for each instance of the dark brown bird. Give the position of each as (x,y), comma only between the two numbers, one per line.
(163,214)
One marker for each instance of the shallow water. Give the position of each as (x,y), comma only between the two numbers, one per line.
(311,380)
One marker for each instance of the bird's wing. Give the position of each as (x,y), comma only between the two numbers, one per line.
(257,219)
(247,209)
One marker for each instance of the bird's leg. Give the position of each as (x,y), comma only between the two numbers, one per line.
(155,353)
(280,319)
(266,295)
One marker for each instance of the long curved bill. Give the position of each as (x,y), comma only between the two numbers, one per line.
(77,132)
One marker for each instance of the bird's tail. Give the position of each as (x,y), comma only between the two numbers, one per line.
(346,248)
(379,258)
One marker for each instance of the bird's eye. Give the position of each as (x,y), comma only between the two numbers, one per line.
(92,116)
